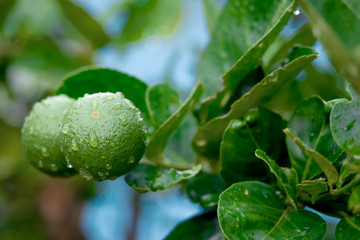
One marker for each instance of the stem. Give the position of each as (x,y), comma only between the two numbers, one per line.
(131,234)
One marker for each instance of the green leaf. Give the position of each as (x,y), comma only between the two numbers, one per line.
(151,17)
(303,37)
(280,176)
(354,200)
(345,125)
(326,166)
(355,4)
(146,177)
(314,187)
(338,27)
(202,227)
(212,13)
(93,80)
(253,210)
(5,8)
(349,167)
(160,101)
(309,123)
(348,228)
(160,137)
(204,189)
(84,23)
(260,128)
(207,139)
(244,31)
(292,177)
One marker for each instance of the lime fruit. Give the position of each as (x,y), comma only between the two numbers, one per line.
(103,136)
(40,136)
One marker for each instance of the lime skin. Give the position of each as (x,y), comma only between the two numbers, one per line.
(40,136)
(103,136)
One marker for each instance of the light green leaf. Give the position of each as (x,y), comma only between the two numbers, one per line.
(280,176)
(259,128)
(162,100)
(84,23)
(314,187)
(253,210)
(327,167)
(344,124)
(146,177)
(348,228)
(354,200)
(244,31)
(93,80)
(160,137)
(338,27)
(207,139)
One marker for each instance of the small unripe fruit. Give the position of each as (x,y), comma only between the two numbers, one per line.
(40,136)
(103,136)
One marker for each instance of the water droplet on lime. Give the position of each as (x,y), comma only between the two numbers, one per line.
(108,166)
(65,129)
(53,167)
(93,138)
(74,145)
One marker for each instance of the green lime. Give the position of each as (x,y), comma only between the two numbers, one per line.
(103,136)
(40,135)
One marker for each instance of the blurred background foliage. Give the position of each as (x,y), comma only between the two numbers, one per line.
(42,40)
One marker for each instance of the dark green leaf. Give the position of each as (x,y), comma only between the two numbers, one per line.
(160,137)
(354,200)
(84,23)
(314,187)
(338,27)
(348,228)
(280,176)
(93,80)
(204,189)
(345,125)
(208,137)
(326,166)
(160,100)
(253,210)
(260,128)
(146,177)
(310,124)
(203,227)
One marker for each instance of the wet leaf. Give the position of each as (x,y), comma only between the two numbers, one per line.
(207,139)
(146,177)
(160,137)
(259,128)
(345,125)
(243,33)
(309,123)
(162,101)
(204,189)
(239,208)
(326,166)
(348,228)
(93,80)
(280,176)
